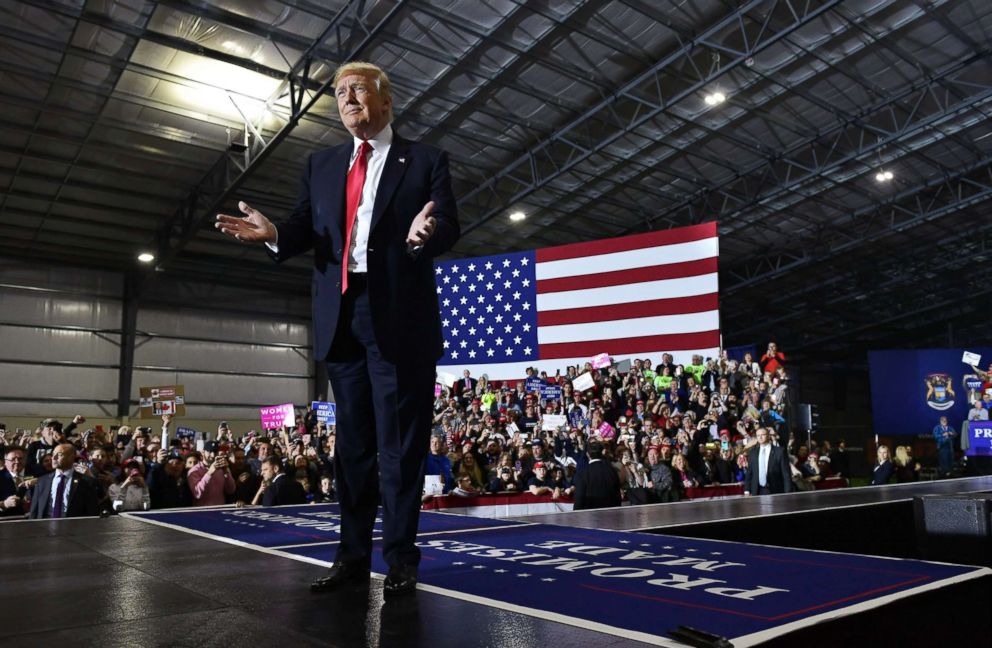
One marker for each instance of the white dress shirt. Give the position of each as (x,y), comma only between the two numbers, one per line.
(763,454)
(359,248)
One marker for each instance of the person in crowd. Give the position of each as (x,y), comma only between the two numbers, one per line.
(561,482)
(13,482)
(210,480)
(325,492)
(131,494)
(659,483)
(503,482)
(945,435)
(597,484)
(278,488)
(883,468)
(768,467)
(246,481)
(726,466)
(263,449)
(906,468)
(64,492)
(51,436)
(683,476)
(438,463)
(541,483)
(470,466)
(464,487)
(772,359)
(978,412)
(168,488)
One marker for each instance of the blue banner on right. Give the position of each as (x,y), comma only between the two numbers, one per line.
(979,439)
(912,389)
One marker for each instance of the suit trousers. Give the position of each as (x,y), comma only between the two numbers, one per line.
(384,414)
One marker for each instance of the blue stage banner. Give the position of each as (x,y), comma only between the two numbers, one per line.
(635,585)
(912,389)
(279,526)
(979,439)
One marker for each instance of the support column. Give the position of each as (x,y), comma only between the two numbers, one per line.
(129,323)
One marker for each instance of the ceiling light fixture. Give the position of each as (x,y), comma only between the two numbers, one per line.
(714,98)
(883,176)
(517,216)
(146,257)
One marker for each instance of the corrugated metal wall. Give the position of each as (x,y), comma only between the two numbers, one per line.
(60,335)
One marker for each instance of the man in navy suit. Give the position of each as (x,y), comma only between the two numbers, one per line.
(768,469)
(64,492)
(281,489)
(376,211)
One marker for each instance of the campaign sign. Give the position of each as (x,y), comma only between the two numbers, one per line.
(979,439)
(326,412)
(533,384)
(552,422)
(185,433)
(275,416)
(583,382)
(158,401)
(600,361)
(550,392)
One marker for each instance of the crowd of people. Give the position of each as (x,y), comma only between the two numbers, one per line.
(664,428)
(60,470)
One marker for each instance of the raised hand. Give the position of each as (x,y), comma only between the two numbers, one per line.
(422,227)
(250,228)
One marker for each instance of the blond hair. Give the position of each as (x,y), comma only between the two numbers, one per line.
(372,71)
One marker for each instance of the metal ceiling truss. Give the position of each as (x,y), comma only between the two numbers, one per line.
(971,185)
(347,36)
(636,103)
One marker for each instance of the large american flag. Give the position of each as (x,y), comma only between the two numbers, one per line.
(631,297)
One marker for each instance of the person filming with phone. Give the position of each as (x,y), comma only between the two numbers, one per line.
(211,479)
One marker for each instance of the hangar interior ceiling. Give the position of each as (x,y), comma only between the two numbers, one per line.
(127,124)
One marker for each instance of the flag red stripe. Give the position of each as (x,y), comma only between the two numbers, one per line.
(629,276)
(625,243)
(653,308)
(648,344)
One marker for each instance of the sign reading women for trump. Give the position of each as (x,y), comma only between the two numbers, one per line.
(635,296)
(276,416)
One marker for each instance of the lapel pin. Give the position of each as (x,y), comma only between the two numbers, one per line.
(402,160)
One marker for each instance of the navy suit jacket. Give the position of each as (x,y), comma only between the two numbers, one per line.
(8,488)
(83,499)
(284,490)
(401,290)
(779,476)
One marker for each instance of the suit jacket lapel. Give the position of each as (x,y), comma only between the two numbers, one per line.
(392,174)
(334,180)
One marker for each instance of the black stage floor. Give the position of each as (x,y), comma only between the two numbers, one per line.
(120,581)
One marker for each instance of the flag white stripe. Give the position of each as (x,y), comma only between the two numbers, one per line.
(644,291)
(517,370)
(639,258)
(628,328)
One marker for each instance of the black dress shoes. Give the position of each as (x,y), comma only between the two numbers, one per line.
(401,579)
(341,573)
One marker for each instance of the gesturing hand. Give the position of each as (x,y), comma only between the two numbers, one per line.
(422,227)
(251,227)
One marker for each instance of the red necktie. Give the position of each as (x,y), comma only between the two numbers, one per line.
(353,193)
(59,496)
